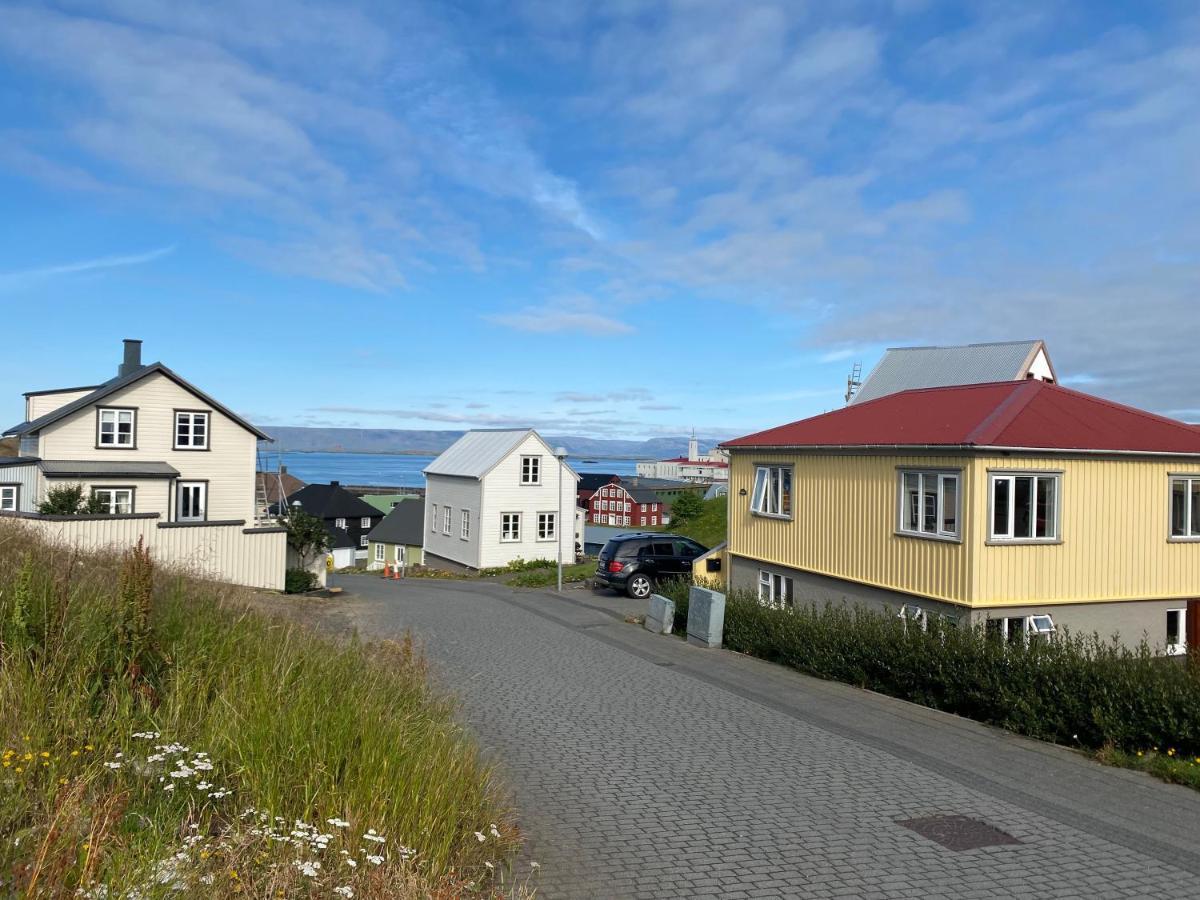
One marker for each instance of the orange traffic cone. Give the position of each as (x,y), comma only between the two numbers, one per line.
(387,571)
(396,573)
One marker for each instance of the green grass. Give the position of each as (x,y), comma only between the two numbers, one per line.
(1164,764)
(96,649)
(549,577)
(709,528)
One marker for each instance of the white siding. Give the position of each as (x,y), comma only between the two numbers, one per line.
(459,494)
(37,406)
(503,492)
(228,466)
(223,552)
(150,495)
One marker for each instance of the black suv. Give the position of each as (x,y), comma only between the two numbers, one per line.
(633,562)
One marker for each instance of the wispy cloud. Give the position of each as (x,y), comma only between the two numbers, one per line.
(572,314)
(23,277)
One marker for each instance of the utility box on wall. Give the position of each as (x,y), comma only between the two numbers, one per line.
(706,617)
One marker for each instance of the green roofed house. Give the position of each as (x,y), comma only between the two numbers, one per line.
(385,503)
(397,540)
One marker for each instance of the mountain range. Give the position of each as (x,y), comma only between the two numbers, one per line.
(395,440)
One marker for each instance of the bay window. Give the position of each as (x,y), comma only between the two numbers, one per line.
(929,503)
(1024,508)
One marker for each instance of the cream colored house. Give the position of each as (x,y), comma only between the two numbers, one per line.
(1019,505)
(152,447)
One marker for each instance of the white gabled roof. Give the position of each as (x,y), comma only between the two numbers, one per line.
(475,453)
(478,452)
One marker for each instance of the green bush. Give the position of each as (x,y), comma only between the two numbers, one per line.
(297,581)
(520,565)
(1076,690)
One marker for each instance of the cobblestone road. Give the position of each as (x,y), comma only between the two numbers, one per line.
(642,767)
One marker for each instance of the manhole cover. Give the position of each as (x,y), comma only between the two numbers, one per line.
(958,832)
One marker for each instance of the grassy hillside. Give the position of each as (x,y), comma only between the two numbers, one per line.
(709,528)
(157,739)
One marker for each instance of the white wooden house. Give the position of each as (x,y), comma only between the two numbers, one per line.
(168,463)
(498,496)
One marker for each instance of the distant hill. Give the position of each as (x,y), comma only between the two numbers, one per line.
(394,440)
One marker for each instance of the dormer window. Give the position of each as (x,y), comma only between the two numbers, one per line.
(115,427)
(191,430)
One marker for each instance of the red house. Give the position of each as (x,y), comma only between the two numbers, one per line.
(625,507)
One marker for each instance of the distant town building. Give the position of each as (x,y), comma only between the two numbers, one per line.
(696,466)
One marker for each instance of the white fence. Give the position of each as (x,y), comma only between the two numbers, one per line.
(226,551)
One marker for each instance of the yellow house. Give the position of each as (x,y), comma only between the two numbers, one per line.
(1025,505)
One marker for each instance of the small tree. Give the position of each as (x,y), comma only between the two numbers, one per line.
(69,500)
(686,507)
(306,535)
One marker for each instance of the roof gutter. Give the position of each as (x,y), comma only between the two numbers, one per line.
(967,448)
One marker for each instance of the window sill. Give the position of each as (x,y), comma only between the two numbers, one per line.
(1184,539)
(762,515)
(1022,542)
(187,449)
(943,538)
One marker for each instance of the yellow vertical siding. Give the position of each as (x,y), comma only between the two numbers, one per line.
(1114,530)
(844,523)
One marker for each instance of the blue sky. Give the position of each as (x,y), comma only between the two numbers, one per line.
(620,219)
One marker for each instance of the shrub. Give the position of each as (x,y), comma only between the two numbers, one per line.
(297,581)
(1076,690)
(69,500)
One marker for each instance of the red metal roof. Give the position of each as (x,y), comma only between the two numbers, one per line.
(1015,414)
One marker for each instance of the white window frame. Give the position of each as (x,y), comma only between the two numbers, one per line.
(531,469)
(10,497)
(380,552)
(364,522)
(1191,527)
(362,541)
(940,479)
(769,499)
(465,525)
(102,413)
(1179,648)
(547,526)
(447,520)
(339,523)
(433,520)
(643,522)
(112,502)
(179,488)
(1010,477)
(1038,625)
(510,528)
(775,590)
(192,417)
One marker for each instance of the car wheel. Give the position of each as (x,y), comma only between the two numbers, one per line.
(639,587)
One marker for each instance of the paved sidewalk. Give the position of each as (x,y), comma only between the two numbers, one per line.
(642,767)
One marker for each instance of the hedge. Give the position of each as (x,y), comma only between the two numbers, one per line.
(1076,690)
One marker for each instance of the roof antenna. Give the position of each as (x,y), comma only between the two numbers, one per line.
(854,381)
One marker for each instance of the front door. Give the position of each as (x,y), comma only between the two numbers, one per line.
(1191,625)
(191,502)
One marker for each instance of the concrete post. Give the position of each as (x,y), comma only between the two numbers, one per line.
(661,616)
(706,617)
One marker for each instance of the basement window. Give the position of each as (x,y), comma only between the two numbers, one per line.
(774,591)
(1022,629)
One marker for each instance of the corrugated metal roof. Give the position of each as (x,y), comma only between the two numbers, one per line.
(1018,414)
(474,454)
(908,368)
(92,468)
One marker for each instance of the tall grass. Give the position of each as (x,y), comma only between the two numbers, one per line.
(97,649)
(1076,690)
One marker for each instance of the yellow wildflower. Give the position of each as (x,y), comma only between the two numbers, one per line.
(27,757)
(19,769)
(7,764)
(45,754)
(74,752)
(88,747)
